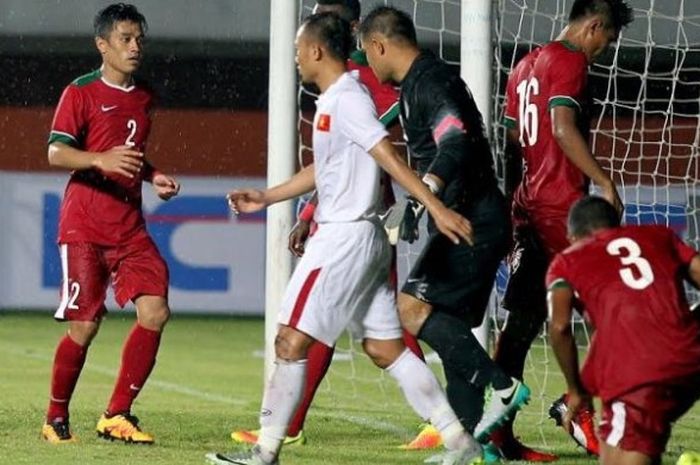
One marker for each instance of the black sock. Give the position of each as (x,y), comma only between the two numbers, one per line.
(457,347)
(522,327)
(465,398)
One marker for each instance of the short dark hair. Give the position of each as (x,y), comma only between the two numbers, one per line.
(591,213)
(332,31)
(115,13)
(617,13)
(350,8)
(392,23)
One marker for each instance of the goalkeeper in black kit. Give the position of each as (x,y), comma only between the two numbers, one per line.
(448,289)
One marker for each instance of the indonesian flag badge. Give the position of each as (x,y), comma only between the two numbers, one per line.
(324,122)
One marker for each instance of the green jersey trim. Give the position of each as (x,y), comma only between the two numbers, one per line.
(359,57)
(563,101)
(389,116)
(569,45)
(86,79)
(63,137)
(509,122)
(559,283)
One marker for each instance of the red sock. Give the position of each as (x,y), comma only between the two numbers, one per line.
(67,364)
(412,343)
(319,359)
(138,359)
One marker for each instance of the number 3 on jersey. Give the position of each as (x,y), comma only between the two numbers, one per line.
(527,111)
(630,254)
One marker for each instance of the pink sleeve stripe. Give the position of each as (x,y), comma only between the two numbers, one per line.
(447,123)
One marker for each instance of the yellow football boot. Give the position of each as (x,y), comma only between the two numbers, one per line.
(428,438)
(123,427)
(57,432)
(251,437)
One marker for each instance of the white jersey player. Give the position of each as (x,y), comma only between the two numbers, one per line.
(343,275)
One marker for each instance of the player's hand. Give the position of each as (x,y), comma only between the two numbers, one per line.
(610,194)
(122,159)
(298,236)
(576,402)
(453,225)
(166,187)
(246,200)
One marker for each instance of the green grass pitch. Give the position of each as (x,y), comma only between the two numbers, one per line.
(208,380)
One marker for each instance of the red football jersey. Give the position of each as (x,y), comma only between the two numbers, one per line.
(96,116)
(555,74)
(630,281)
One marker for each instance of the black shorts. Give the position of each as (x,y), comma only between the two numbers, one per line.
(527,266)
(458,278)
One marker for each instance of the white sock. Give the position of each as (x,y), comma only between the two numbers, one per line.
(425,395)
(283,393)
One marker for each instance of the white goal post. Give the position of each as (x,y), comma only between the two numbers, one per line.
(281,161)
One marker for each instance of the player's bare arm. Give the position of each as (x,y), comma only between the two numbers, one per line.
(253,200)
(301,230)
(576,149)
(449,222)
(694,271)
(122,159)
(559,300)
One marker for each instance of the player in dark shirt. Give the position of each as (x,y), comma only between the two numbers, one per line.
(447,291)
(644,359)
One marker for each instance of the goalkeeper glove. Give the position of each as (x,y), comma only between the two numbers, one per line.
(402,219)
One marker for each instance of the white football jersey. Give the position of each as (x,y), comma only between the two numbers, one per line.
(345,129)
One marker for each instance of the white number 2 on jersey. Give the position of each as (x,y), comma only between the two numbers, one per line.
(527,111)
(631,256)
(131,125)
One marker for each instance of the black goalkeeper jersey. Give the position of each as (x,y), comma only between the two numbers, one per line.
(445,132)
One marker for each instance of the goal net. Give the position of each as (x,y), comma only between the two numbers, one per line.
(644,125)
(645,131)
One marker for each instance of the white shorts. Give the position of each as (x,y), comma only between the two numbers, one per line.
(343,279)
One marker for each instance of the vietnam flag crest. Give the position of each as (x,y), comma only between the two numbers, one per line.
(324,122)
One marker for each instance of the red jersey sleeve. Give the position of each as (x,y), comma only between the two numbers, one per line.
(558,273)
(568,79)
(684,252)
(69,119)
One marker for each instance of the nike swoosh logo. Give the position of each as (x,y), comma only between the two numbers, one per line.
(508,399)
(105,109)
(134,388)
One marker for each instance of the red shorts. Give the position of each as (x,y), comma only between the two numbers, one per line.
(641,420)
(135,268)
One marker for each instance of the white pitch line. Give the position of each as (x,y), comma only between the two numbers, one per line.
(192,392)
(163,385)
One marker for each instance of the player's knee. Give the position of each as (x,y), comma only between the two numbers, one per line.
(383,353)
(83,332)
(291,345)
(153,313)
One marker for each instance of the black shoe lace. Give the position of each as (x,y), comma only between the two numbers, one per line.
(133,419)
(62,429)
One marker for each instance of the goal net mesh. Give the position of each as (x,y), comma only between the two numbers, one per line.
(645,131)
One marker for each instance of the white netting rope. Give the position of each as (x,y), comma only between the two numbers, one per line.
(645,126)
(645,130)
